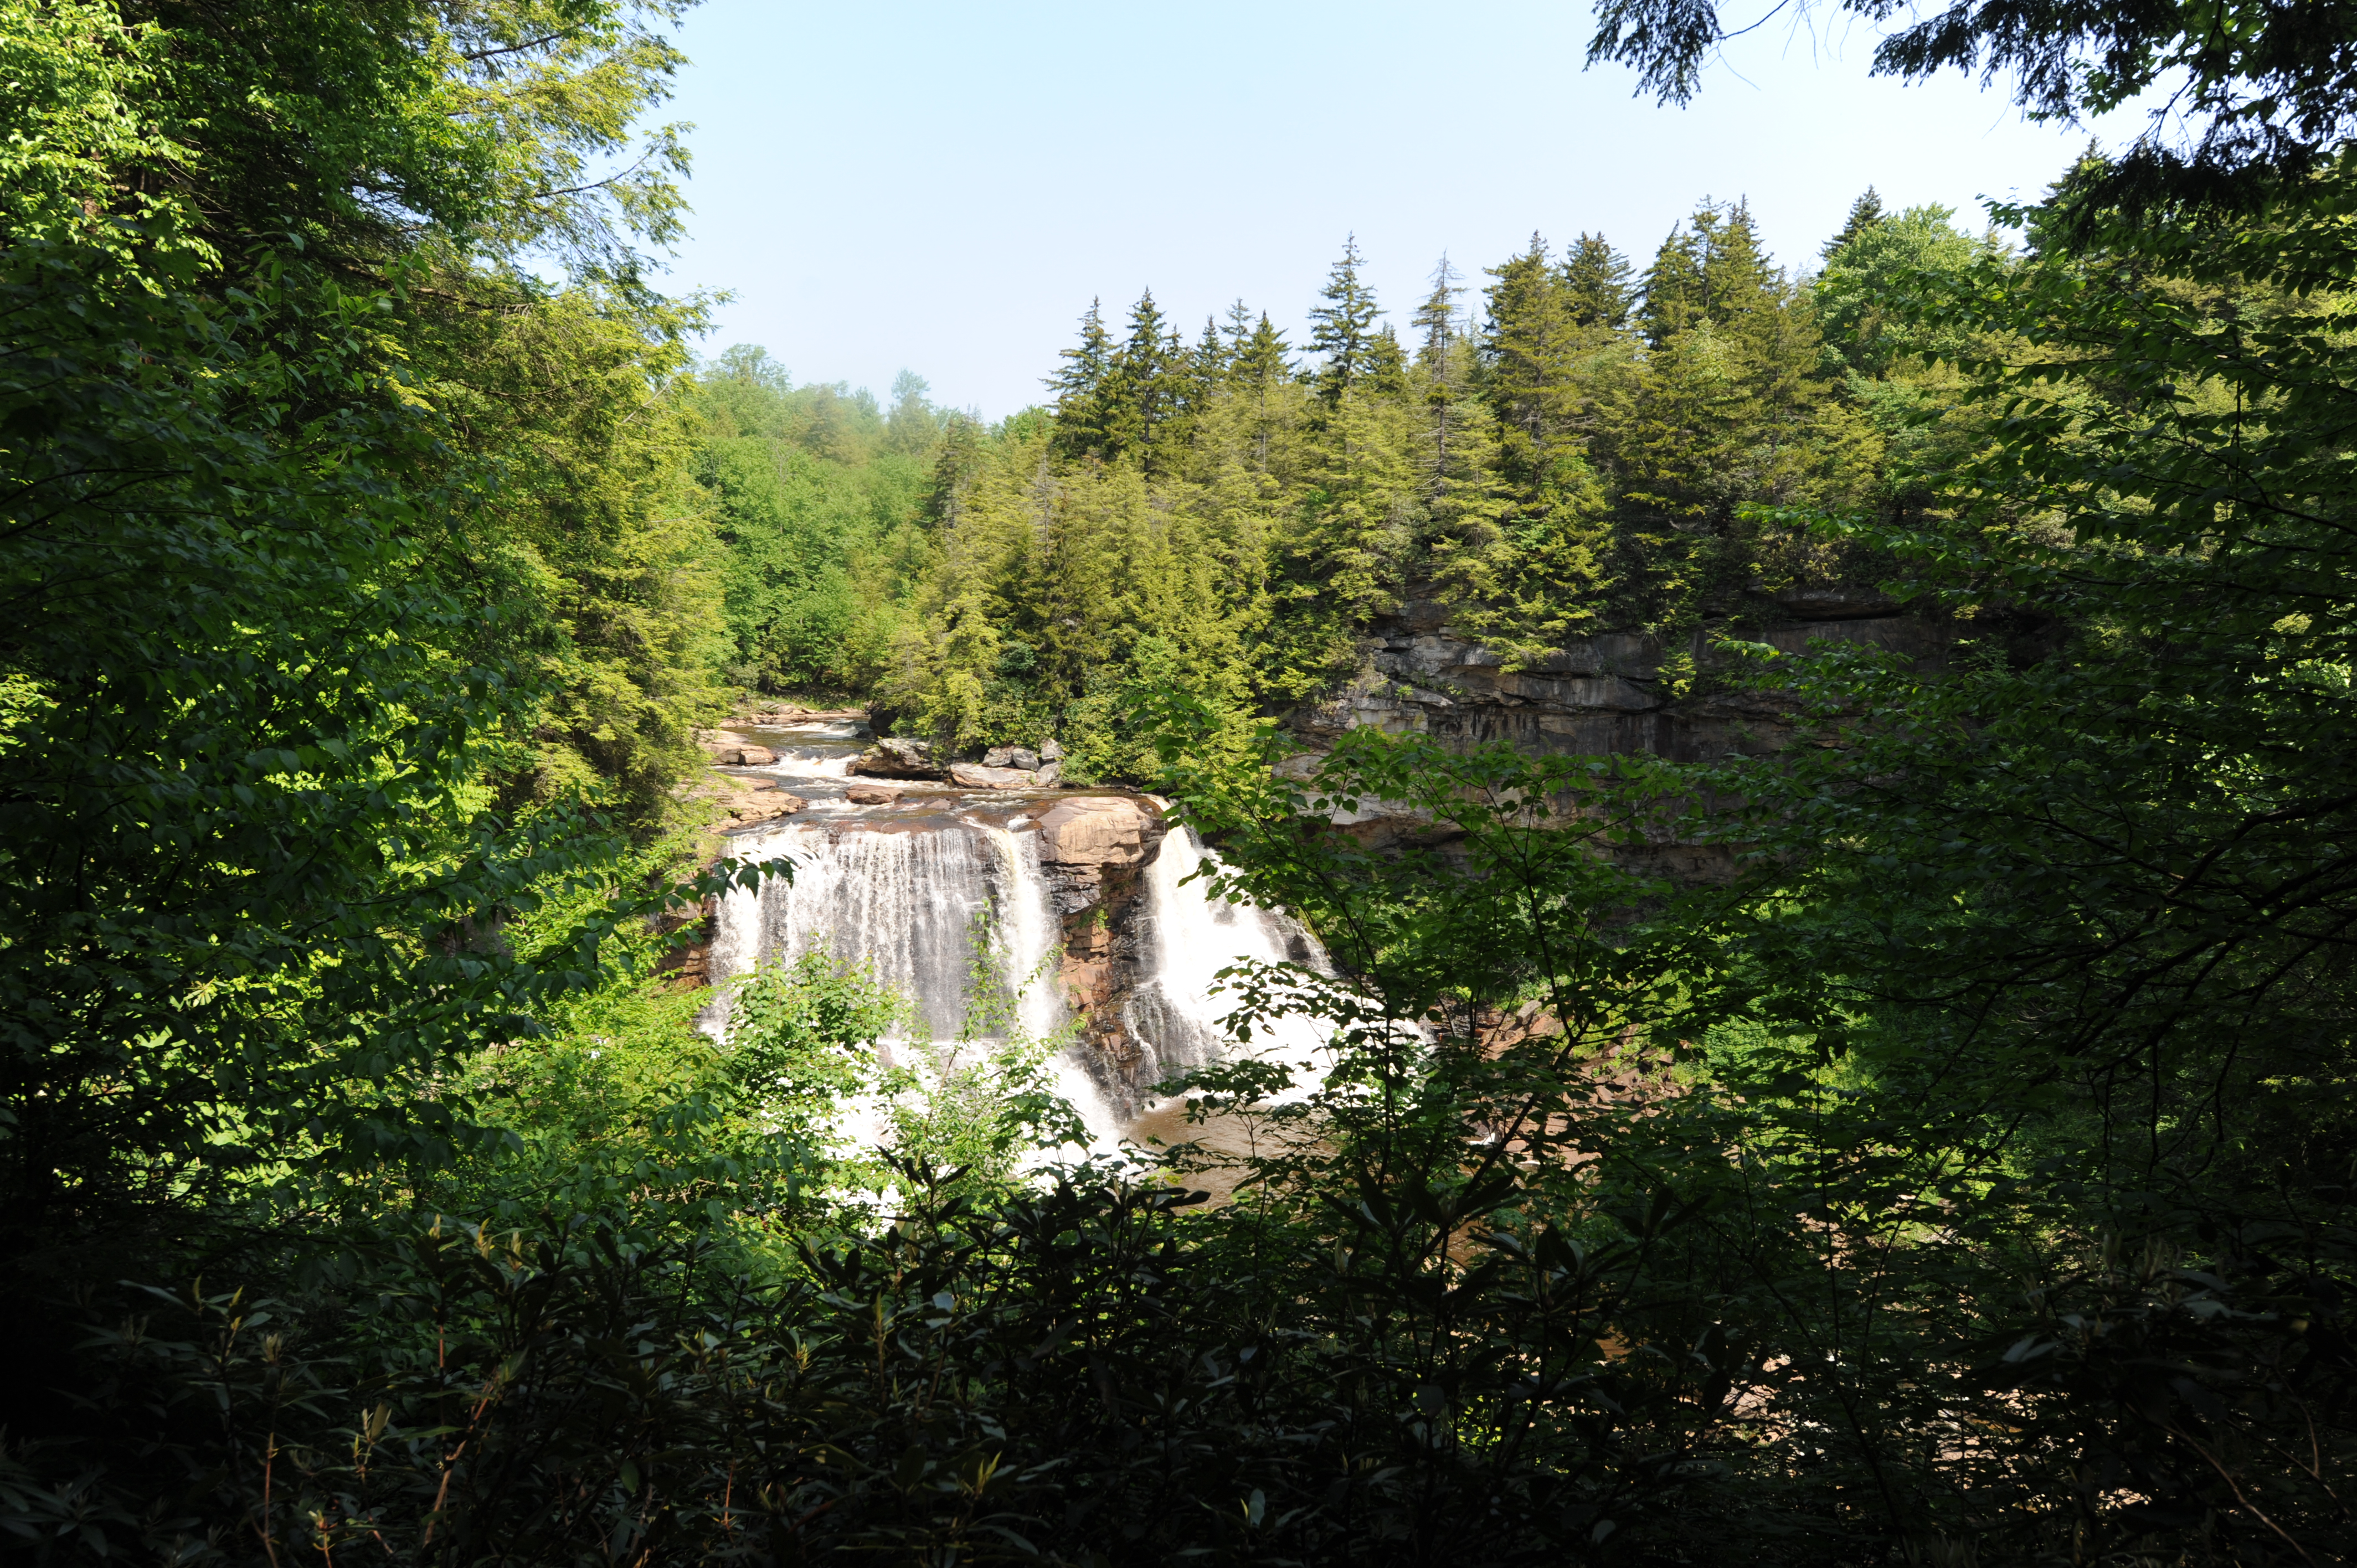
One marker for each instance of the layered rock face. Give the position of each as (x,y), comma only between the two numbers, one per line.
(1602,696)
(1092,849)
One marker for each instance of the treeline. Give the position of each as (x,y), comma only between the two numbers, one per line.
(1575,446)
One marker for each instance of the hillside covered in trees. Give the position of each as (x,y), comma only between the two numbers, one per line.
(1961,1176)
(1575,446)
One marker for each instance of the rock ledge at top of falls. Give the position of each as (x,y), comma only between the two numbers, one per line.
(1097,831)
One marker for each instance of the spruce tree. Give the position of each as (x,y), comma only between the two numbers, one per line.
(1673,289)
(1210,353)
(1456,480)
(1596,283)
(1262,364)
(1344,330)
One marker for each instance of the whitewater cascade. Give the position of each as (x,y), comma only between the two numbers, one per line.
(1175,1009)
(910,890)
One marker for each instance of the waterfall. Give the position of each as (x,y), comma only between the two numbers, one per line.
(902,895)
(1175,1012)
(902,903)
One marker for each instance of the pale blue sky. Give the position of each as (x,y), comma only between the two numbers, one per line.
(945,187)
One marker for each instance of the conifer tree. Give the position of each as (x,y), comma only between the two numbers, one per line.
(1139,389)
(1239,328)
(1344,330)
(1386,373)
(1597,286)
(1864,214)
(1262,365)
(1712,270)
(1078,386)
(1210,351)
(1456,481)
(1527,351)
(1436,319)
(1263,360)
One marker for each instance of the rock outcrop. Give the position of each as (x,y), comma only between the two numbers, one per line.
(871,795)
(1094,850)
(1603,695)
(894,757)
(977,776)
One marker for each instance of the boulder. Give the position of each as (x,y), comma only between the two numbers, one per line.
(1050,751)
(981,776)
(750,756)
(1097,831)
(1023,757)
(871,795)
(897,759)
(1000,757)
(1049,775)
(762,805)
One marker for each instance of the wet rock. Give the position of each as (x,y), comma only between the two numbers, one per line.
(897,759)
(981,776)
(871,795)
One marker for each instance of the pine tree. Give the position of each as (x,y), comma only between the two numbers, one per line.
(1595,282)
(1344,330)
(1079,386)
(1436,319)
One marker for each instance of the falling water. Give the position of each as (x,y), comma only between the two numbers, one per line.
(906,891)
(1176,1013)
